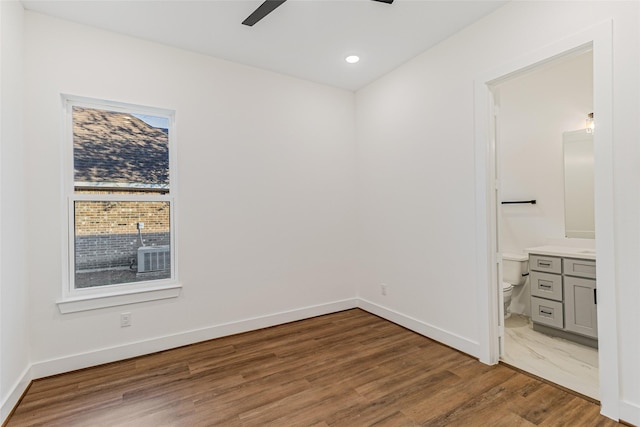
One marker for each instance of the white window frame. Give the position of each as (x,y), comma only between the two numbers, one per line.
(82,299)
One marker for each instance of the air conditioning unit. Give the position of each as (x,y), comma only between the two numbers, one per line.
(154,258)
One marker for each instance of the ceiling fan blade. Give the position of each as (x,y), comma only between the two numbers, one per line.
(385,1)
(263,10)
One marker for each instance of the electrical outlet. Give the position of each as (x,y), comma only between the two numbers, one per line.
(140,225)
(383,289)
(125,320)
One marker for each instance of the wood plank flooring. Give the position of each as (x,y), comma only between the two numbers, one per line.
(344,369)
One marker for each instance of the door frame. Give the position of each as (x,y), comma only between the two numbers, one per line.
(598,38)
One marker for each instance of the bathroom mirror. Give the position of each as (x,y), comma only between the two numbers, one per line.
(578,184)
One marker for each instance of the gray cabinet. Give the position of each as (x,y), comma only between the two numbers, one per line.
(579,267)
(545,285)
(547,312)
(549,264)
(563,297)
(580,306)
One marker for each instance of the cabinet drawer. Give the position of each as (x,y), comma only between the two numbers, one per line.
(547,264)
(580,268)
(546,285)
(547,312)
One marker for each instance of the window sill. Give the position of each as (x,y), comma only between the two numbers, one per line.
(95,302)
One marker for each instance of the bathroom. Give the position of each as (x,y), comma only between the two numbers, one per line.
(542,115)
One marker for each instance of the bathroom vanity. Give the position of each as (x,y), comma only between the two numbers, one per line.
(564,293)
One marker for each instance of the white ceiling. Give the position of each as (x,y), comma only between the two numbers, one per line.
(308,39)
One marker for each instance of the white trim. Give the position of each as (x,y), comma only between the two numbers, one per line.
(122,107)
(97,357)
(629,412)
(81,299)
(120,198)
(600,38)
(113,299)
(432,332)
(121,185)
(488,331)
(15,393)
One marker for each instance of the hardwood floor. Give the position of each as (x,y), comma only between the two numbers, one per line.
(344,369)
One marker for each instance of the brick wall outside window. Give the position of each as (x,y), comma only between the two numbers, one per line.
(107,235)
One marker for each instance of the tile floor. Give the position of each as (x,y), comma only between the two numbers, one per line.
(563,362)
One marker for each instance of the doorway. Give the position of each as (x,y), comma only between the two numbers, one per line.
(537,114)
(491,326)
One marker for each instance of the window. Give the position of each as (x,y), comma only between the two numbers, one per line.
(120,187)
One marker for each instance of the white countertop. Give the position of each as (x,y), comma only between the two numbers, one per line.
(563,251)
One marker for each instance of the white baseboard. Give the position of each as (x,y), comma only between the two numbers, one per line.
(15,393)
(630,412)
(430,331)
(84,360)
(126,351)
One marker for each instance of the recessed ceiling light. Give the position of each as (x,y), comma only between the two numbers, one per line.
(352,59)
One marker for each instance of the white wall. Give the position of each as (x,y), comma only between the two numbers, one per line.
(266,212)
(14,307)
(416,161)
(535,110)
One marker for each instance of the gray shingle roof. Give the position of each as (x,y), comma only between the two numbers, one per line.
(118,148)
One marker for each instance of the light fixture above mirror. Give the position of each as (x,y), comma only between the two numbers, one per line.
(590,124)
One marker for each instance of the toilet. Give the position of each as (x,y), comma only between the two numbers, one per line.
(515,270)
(507,291)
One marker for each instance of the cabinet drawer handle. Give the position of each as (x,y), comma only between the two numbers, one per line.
(544,263)
(548,313)
(595,296)
(544,285)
